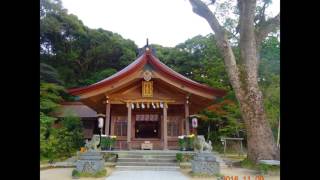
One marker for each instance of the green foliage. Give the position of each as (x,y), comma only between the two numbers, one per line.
(50,96)
(189,142)
(57,142)
(107,142)
(179,157)
(101,173)
(75,173)
(77,51)
(98,76)
(246,163)
(74,124)
(204,175)
(184,157)
(182,143)
(49,74)
(262,168)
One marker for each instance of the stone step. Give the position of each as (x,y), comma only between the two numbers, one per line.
(147,168)
(145,160)
(146,164)
(146,156)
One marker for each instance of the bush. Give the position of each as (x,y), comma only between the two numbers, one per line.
(179,157)
(182,157)
(75,173)
(64,141)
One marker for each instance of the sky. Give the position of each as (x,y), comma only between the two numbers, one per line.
(163,22)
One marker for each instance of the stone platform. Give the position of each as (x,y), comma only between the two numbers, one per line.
(206,163)
(90,162)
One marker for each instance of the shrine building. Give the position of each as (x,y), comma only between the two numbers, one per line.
(145,101)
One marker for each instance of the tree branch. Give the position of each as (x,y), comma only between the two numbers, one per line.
(202,10)
(223,44)
(265,28)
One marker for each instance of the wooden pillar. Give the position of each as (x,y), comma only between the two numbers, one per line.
(165,128)
(129,126)
(186,109)
(181,124)
(107,124)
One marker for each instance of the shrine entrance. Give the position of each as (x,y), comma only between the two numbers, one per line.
(147,126)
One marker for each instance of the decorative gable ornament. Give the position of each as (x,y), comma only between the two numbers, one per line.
(147,75)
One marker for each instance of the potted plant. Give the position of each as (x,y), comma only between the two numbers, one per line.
(112,142)
(105,143)
(182,143)
(189,142)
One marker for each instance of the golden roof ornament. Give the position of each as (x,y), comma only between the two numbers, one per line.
(147,75)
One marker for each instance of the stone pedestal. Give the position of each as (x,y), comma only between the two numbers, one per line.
(205,162)
(90,162)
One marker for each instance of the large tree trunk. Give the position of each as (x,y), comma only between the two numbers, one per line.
(260,139)
(243,77)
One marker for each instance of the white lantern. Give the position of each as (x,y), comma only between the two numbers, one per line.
(161,104)
(100,125)
(132,106)
(142,106)
(194,122)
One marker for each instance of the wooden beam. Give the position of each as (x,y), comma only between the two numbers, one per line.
(149,100)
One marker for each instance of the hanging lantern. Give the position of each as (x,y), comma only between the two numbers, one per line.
(194,122)
(161,104)
(100,124)
(157,104)
(138,105)
(153,105)
(148,105)
(132,106)
(142,106)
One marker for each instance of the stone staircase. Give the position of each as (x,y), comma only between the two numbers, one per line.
(147,160)
(222,163)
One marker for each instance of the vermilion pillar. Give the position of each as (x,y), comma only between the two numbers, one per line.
(186,108)
(107,124)
(129,126)
(165,128)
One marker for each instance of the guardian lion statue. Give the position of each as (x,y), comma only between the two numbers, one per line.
(93,144)
(201,145)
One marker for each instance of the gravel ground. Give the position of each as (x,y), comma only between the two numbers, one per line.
(65,174)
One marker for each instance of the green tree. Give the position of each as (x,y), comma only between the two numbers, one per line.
(77,51)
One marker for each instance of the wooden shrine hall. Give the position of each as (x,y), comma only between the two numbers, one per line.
(147,101)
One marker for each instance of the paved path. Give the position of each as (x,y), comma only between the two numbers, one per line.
(147,175)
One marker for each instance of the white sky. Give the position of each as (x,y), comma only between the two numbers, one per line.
(164,22)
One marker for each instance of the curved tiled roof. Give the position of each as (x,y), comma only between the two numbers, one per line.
(145,58)
(75,108)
